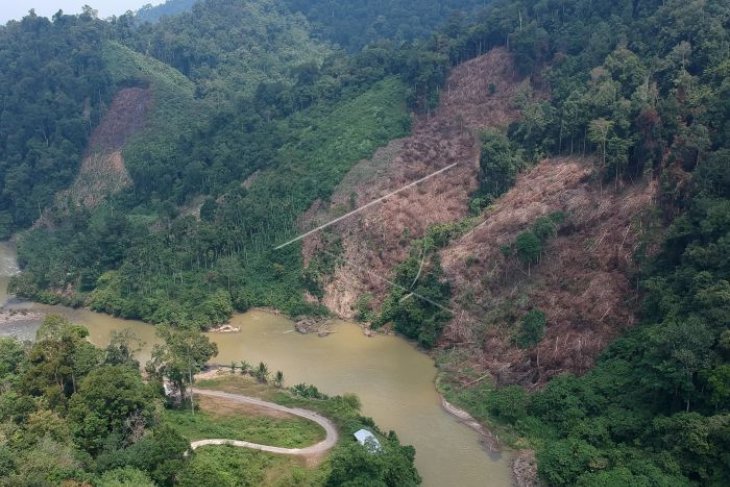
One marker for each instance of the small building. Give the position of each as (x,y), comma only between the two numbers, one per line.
(368,440)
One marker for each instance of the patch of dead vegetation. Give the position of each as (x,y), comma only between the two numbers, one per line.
(193,207)
(582,283)
(101,175)
(524,469)
(222,408)
(124,118)
(478,94)
(102,172)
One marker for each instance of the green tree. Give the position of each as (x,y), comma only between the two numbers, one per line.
(111,400)
(162,454)
(58,360)
(598,132)
(262,373)
(564,461)
(125,477)
(123,345)
(529,247)
(532,329)
(182,354)
(279,378)
(12,355)
(356,466)
(499,163)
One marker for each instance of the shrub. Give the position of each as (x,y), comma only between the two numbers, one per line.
(528,247)
(532,329)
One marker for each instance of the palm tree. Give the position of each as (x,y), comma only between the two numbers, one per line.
(245,367)
(279,378)
(262,373)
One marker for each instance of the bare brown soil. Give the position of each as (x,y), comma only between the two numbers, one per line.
(102,172)
(582,282)
(125,117)
(376,240)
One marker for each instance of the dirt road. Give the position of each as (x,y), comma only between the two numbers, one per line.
(311,451)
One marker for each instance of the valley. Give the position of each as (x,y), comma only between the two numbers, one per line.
(546,273)
(394,381)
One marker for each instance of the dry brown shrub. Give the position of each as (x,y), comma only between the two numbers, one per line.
(374,240)
(582,282)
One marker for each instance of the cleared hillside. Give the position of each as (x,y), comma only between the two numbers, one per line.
(379,238)
(583,282)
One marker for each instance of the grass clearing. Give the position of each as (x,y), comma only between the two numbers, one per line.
(228,466)
(344,410)
(218,418)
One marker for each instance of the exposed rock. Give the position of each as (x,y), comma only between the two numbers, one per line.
(524,469)
(225,329)
(15,316)
(319,326)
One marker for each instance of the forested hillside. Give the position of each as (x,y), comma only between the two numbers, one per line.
(153,13)
(54,88)
(576,279)
(353,25)
(191,239)
(229,47)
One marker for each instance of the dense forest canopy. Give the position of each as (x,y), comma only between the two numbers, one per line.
(641,87)
(139,255)
(153,13)
(240,44)
(351,24)
(54,88)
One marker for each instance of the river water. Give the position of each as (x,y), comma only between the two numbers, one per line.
(393,380)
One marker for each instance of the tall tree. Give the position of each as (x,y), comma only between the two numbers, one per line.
(183,353)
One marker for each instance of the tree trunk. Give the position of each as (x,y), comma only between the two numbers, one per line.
(192,397)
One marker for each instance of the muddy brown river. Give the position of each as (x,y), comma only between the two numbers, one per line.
(394,381)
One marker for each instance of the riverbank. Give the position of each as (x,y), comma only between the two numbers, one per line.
(392,378)
(14,316)
(488,439)
(523,464)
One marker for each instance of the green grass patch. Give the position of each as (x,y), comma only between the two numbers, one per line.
(290,432)
(344,410)
(227,466)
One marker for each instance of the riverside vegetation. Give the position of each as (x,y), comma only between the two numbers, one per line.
(76,414)
(239,145)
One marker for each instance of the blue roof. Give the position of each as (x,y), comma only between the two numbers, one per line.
(366,438)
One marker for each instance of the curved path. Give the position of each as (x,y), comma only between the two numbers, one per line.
(310,451)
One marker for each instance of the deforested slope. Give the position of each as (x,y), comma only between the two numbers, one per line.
(582,280)
(54,88)
(378,239)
